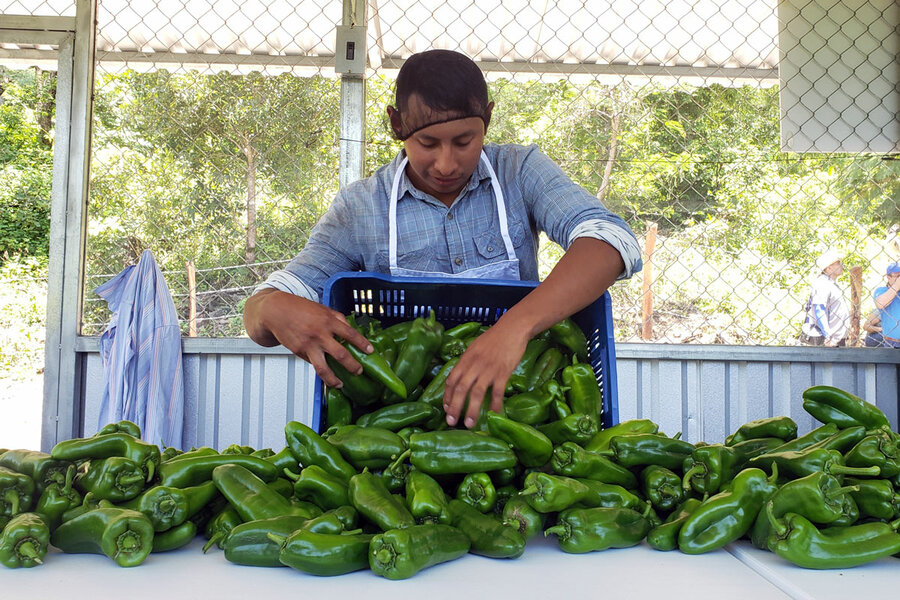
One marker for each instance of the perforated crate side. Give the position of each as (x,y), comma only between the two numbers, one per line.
(392,300)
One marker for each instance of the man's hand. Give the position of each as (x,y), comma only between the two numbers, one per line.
(306,328)
(486,364)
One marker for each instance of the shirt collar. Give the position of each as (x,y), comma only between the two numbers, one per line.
(480,175)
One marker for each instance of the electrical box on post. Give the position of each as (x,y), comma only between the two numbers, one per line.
(350,50)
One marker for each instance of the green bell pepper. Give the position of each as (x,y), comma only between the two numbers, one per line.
(309,448)
(664,537)
(401,553)
(324,554)
(24,541)
(16,492)
(488,536)
(125,536)
(532,448)
(829,404)
(478,491)
(365,447)
(116,479)
(601,440)
(459,451)
(147,456)
(572,460)
(780,427)
(521,516)
(662,487)
(369,495)
(581,530)
(426,500)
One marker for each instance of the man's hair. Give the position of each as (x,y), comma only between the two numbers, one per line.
(449,84)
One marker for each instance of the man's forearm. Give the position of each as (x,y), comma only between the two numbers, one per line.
(584,273)
(255,318)
(884,300)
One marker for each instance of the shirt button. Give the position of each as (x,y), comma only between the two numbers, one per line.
(458,261)
(450,215)
(490,248)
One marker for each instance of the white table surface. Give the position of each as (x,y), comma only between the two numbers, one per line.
(544,572)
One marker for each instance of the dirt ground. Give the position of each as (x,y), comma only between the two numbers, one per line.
(20,413)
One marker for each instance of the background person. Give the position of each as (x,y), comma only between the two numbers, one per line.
(888,306)
(449,206)
(872,327)
(827,316)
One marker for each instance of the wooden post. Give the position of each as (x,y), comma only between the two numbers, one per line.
(647,272)
(855,299)
(192,299)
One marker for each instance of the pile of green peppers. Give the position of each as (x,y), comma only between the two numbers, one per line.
(388,486)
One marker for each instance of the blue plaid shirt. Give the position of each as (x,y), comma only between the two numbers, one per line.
(353,233)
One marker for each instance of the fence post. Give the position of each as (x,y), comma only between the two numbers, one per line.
(647,272)
(192,299)
(855,296)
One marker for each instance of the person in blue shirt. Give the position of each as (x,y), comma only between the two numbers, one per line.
(888,305)
(449,205)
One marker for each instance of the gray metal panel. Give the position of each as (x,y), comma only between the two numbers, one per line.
(238,392)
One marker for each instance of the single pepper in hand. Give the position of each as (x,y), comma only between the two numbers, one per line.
(829,404)
(377,368)
(24,541)
(401,553)
(545,368)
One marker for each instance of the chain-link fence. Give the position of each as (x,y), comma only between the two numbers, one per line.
(216,135)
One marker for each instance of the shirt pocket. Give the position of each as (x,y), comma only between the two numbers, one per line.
(490,243)
(418,259)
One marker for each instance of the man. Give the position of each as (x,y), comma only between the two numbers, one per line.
(449,205)
(827,315)
(889,306)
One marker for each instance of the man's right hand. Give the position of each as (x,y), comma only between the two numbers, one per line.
(306,328)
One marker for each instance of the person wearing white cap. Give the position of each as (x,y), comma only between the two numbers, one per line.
(888,305)
(827,315)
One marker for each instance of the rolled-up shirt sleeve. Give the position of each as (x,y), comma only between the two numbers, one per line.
(287,281)
(621,239)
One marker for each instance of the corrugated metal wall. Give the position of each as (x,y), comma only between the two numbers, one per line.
(237,392)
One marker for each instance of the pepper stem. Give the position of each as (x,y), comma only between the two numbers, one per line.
(278,539)
(151,469)
(777,525)
(399,460)
(835,469)
(841,491)
(531,490)
(26,548)
(291,475)
(216,537)
(561,531)
(689,474)
(128,480)
(11,497)
(70,477)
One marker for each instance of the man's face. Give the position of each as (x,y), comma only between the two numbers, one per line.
(442,157)
(892,279)
(834,269)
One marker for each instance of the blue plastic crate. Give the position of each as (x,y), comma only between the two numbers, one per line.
(395,299)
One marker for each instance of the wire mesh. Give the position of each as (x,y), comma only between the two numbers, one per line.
(216,139)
